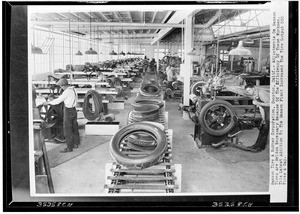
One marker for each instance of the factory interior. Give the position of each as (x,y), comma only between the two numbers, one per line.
(161,101)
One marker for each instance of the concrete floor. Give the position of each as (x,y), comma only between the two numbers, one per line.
(205,170)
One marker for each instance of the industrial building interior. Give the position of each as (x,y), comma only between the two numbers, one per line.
(182,68)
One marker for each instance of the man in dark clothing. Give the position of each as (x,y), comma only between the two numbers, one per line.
(57,129)
(261,98)
(70,124)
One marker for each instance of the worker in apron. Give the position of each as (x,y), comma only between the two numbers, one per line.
(70,124)
(261,98)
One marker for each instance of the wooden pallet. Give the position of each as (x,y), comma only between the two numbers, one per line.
(163,177)
(162,119)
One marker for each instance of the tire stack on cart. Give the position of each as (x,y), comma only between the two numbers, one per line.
(142,150)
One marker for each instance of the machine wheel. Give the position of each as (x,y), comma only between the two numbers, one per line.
(149,159)
(217,118)
(197,88)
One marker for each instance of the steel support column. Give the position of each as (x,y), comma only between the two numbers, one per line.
(157,56)
(188,39)
(259,55)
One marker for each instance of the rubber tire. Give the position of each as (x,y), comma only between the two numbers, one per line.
(147,112)
(98,105)
(138,162)
(140,102)
(142,139)
(144,92)
(140,148)
(209,106)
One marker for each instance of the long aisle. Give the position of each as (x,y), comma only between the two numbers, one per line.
(203,170)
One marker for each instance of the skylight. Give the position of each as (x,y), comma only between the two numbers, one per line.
(242,22)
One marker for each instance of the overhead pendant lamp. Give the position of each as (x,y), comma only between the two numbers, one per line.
(240,50)
(112,44)
(122,52)
(91,51)
(79,52)
(128,46)
(248,40)
(192,52)
(212,47)
(113,53)
(99,39)
(36,50)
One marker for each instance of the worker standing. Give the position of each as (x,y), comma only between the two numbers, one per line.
(70,124)
(261,98)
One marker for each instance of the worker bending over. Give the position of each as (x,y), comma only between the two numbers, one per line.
(261,98)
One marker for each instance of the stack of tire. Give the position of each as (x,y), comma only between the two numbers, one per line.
(149,104)
(143,135)
(146,137)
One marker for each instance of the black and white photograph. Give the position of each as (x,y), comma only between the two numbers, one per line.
(153,102)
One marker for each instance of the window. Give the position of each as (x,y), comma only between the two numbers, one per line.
(223,55)
(161,53)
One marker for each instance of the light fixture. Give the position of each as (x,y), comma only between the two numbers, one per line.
(240,50)
(99,38)
(91,51)
(122,52)
(113,53)
(111,43)
(212,47)
(230,47)
(192,52)
(36,50)
(79,52)
(248,40)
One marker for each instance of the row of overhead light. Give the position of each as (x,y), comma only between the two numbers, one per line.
(93,52)
(37,50)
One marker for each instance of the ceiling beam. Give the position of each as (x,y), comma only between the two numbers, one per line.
(177,17)
(130,16)
(165,18)
(62,16)
(121,24)
(104,16)
(213,19)
(152,20)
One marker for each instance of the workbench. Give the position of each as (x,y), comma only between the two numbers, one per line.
(79,73)
(92,83)
(113,74)
(240,90)
(81,91)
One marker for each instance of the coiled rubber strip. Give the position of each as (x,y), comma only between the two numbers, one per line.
(90,115)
